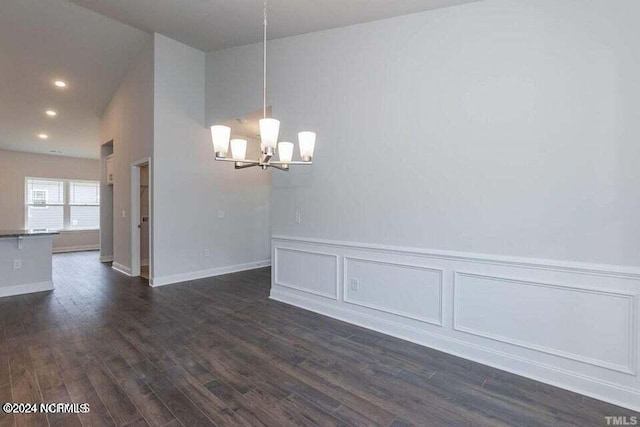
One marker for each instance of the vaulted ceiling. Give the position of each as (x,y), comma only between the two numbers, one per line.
(91,43)
(216,24)
(41,41)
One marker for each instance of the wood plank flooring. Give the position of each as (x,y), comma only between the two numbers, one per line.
(218,352)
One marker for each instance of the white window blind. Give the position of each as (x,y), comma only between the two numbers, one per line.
(56,204)
(45,204)
(84,201)
(45,191)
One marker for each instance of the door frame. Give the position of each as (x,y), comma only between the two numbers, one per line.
(135,217)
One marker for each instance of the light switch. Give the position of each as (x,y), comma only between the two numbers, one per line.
(355,284)
(298,217)
(124,214)
(17,264)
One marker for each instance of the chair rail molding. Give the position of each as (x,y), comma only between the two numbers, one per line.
(569,324)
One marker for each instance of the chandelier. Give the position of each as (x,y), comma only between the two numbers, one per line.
(269,130)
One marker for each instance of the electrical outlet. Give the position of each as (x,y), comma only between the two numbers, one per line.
(124,214)
(298,217)
(206,252)
(17,264)
(355,285)
(220,214)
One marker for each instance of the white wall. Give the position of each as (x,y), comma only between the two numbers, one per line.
(128,121)
(16,166)
(35,274)
(190,188)
(502,127)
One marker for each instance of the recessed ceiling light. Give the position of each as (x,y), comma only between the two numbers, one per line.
(43,136)
(51,113)
(60,83)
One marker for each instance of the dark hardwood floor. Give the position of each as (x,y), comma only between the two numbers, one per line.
(218,352)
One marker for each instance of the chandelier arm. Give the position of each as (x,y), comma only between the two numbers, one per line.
(231,159)
(280,167)
(293,162)
(225,159)
(244,165)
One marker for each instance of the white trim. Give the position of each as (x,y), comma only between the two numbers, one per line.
(81,248)
(582,384)
(201,274)
(617,383)
(66,204)
(121,269)
(628,369)
(134,215)
(29,288)
(543,264)
(278,282)
(345,270)
(106,258)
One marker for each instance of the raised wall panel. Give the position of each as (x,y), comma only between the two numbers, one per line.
(307,271)
(581,324)
(572,325)
(405,290)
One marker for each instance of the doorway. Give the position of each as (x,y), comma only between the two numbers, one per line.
(141,218)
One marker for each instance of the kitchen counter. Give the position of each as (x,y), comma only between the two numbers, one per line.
(26,233)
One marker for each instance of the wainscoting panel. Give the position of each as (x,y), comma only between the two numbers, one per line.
(402,289)
(307,271)
(572,325)
(581,324)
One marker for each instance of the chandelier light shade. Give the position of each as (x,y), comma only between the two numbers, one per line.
(220,136)
(285,152)
(269,132)
(239,149)
(307,142)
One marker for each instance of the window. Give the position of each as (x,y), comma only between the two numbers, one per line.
(58,204)
(45,204)
(84,205)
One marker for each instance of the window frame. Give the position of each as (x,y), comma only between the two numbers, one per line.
(66,202)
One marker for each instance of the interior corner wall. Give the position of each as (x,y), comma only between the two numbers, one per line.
(128,121)
(208,218)
(502,127)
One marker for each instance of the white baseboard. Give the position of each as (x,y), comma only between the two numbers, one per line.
(571,325)
(106,258)
(26,289)
(183,277)
(121,268)
(64,249)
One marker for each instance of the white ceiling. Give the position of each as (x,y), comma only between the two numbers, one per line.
(216,24)
(42,40)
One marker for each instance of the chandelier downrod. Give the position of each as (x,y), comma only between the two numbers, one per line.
(264,64)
